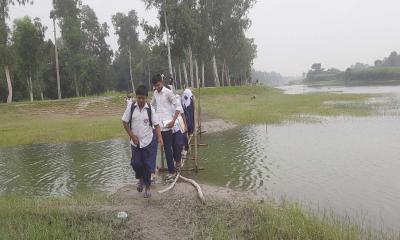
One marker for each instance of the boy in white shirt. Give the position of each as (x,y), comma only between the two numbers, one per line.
(163,101)
(138,121)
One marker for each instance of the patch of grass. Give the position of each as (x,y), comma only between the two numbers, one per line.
(273,106)
(54,218)
(60,121)
(255,220)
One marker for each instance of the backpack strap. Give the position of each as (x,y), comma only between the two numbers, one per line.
(149,114)
(133,107)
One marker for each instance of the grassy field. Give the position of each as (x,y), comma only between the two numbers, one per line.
(274,107)
(95,218)
(98,118)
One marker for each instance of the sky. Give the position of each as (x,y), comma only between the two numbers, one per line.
(290,35)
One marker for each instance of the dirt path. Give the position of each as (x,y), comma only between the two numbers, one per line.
(157,217)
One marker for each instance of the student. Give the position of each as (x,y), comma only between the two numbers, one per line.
(163,101)
(178,133)
(138,121)
(188,107)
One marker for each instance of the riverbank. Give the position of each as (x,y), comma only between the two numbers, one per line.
(175,215)
(98,118)
(260,105)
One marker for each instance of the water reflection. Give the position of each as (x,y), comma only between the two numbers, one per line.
(64,169)
(346,164)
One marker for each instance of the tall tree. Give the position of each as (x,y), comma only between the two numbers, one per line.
(27,44)
(4,48)
(126,29)
(68,12)
(97,52)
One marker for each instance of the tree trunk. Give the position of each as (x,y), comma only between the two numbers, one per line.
(175,81)
(185,75)
(197,73)
(148,67)
(41,93)
(228,76)
(167,33)
(202,76)
(191,66)
(216,77)
(130,70)
(56,56)
(76,85)
(223,75)
(40,85)
(30,88)
(9,84)
(180,76)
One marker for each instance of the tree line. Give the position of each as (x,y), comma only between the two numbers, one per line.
(386,69)
(196,43)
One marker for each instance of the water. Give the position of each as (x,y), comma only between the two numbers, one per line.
(302,89)
(350,165)
(64,169)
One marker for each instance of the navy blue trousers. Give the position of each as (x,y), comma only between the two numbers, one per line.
(143,161)
(178,142)
(167,139)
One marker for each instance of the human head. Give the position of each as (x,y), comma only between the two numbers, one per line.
(157,81)
(141,95)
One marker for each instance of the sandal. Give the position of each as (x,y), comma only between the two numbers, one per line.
(139,187)
(147,194)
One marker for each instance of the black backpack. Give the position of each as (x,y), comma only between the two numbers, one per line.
(133,107)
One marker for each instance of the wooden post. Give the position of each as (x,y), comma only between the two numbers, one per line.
(195,133)
(197,73)
(202,75)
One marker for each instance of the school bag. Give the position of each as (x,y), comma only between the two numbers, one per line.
(133,107)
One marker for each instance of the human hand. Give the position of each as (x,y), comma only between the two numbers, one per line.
(171,124)
(135,139)
(160,142)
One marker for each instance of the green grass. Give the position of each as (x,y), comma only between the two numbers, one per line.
(56,218)
(254,220)
(265,220)
(93,218)
(56,121)
(273,106)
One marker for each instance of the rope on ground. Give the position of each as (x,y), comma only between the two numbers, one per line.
(179,176)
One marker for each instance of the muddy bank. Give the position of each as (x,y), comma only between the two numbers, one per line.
(212,124)
(169,215)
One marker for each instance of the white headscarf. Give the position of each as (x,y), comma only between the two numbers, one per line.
(186,97)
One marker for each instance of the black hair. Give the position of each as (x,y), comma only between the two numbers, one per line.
(156,78)
(168,87)
(142,90)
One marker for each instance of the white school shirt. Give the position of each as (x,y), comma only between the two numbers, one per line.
(165,105)
(140,123)
(180,108)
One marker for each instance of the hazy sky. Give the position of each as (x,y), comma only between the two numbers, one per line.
(290,34)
